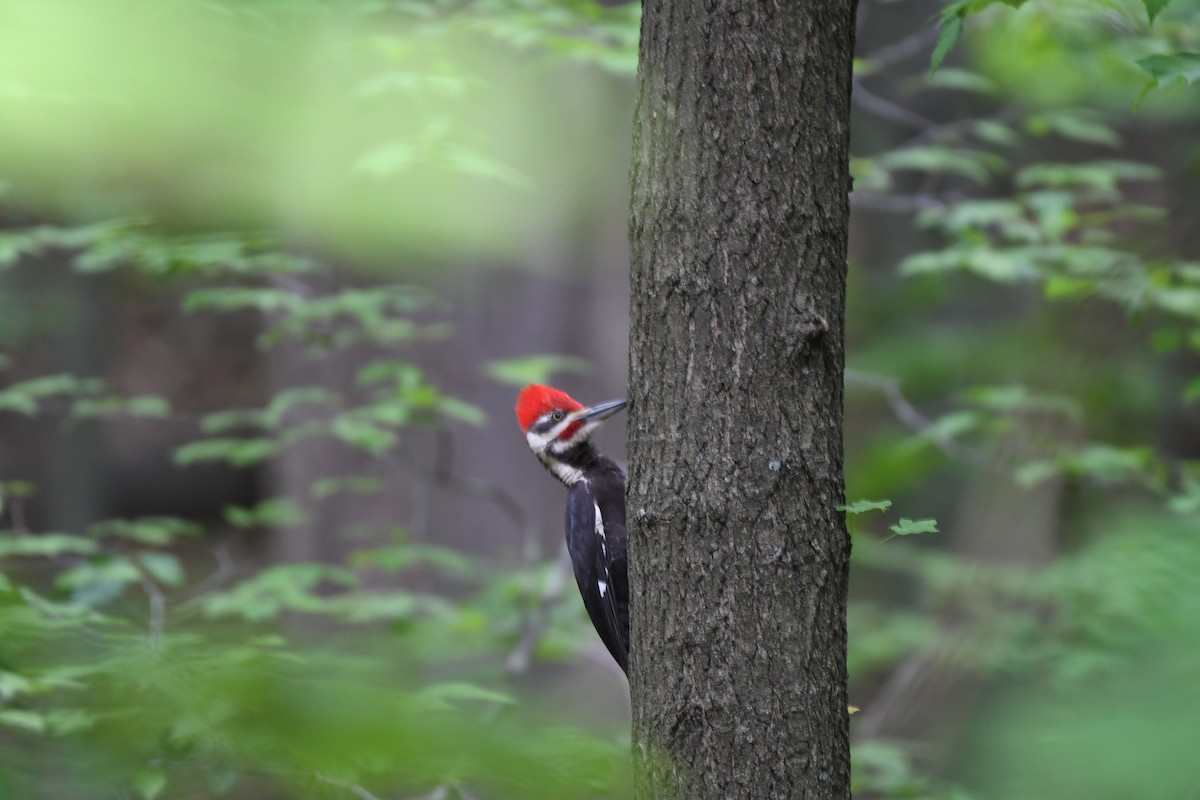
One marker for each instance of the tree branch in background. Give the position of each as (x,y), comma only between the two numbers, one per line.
(890,111)
(910,417)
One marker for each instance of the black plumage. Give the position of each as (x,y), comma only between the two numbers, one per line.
(598,554)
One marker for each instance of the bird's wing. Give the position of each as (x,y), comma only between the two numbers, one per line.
(598,557)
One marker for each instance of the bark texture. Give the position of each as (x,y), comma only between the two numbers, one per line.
(739,558)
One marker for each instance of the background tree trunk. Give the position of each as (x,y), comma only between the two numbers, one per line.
(739,558)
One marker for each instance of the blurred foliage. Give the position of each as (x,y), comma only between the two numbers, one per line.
(364,128)
(1029,329)
(127,662)
(1059,351)
(200,689)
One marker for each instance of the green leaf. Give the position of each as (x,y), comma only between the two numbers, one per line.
(908,527)
(863,506)
(1166,340)
(972,164)
(949,426)
(363,435)
(328,487)
(107,572)
(1154,8)
(400,373)
(29,721)
(154,531)
(534,369)
(1018,399)
(18,489)
(1171,68)
(481,165)
(277,512)
(12,685)
(388,159)
(237,299)
(45,544)
(962,80)
(147,405)
(149,783)
(64,721)
(163,567)
(442,695)
(462,411)
(19,403)
(395,558)
(1073,125)
(238,452)
(948,32)
(365,607)
(1100,176)
(276,411)
(994,132)
(287,587)
(1191,393)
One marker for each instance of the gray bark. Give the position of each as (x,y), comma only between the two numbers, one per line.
(739,558)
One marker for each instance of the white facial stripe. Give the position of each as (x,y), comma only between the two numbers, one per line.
(584,432)
(550,434)
(538,441)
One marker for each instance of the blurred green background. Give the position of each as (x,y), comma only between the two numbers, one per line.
(272,272)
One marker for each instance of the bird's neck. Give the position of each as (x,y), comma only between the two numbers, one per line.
(578,463)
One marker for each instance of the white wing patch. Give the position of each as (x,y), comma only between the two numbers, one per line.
(600,533)
(603,584)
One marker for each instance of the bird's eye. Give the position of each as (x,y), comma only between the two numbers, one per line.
(557,416)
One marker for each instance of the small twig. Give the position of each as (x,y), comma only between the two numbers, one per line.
(914,44)
(225,570)
(910,417)
(894,203)
(892,694)
(16,512)
(289,283)
(353,788)
(158,602)
(486,490)
(886,109)
(443,475)
(533,627)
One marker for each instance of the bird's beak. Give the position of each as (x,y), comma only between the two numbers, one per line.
(601,412)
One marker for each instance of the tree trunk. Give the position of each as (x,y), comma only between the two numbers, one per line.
(739,557)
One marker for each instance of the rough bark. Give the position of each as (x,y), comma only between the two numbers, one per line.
(739,558)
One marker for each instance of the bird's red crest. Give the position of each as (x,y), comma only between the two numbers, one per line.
(535,400)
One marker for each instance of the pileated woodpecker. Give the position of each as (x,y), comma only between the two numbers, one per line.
(559,430)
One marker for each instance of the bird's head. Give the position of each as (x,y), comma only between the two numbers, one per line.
(557,427)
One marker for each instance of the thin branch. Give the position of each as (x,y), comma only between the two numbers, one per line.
(534,623)
(914,44)
(16,512)
(224,571)
(533,626)
(894,692)
(157,599)
(910,417)
(353,788)
(485,490)
(893,112)
(894,203)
